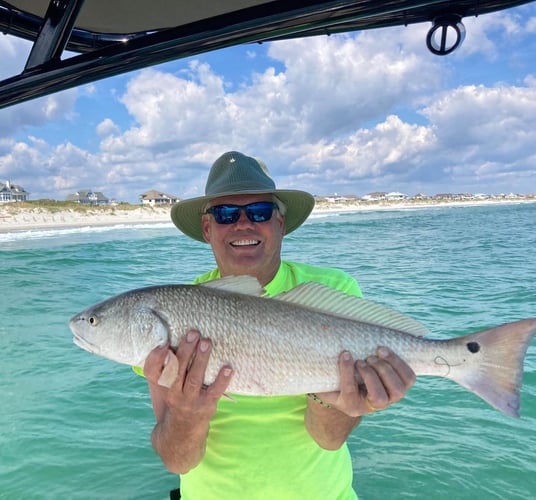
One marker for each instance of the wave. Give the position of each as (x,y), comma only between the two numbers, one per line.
(37,234)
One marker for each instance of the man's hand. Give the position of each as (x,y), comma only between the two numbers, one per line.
(370,385)
(183,373)
(183,411)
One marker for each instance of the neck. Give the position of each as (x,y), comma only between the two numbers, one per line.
(264,276)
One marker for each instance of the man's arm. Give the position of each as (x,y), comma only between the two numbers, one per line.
(365,386)
(183,411)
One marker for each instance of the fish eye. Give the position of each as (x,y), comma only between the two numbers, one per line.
(92,320)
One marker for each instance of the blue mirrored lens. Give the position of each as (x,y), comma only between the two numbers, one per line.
(229,214)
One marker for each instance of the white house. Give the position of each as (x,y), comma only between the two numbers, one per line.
(153,197)
(88,197)
(12,192)
(395,196)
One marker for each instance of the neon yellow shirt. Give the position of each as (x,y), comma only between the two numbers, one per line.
(258,447)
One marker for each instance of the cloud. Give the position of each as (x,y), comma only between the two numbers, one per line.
(52,171)
(349,113)
(31,114)
(328,89)
(107,128)
(36,113)
(498,34)
(477,115)
(391,152)
(15,52)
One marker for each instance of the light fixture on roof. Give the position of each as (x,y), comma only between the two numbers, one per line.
(446,34)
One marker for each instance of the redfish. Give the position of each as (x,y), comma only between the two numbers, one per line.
(289,344)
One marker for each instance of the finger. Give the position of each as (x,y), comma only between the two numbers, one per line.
(360,382)
(196,373)
(155,362)
(375,392)
(405,372)
(216,390)
(394,386)
(396,376)
(186,352)
(348,383)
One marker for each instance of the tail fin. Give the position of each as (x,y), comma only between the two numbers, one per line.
(494,370)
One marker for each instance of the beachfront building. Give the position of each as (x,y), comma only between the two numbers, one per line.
(153,197)
(421,196)
(375,196)
(12,192)
(395,196)
(453,196)
(88,197)
(335,198)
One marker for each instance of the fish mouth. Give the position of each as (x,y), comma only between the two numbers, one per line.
(81,341)
(84,344)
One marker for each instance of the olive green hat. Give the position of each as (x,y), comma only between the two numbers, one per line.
(234,173)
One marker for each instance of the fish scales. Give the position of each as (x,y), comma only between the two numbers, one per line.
(274,347)
(290,344)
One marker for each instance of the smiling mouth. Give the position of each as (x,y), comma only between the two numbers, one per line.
(245,243)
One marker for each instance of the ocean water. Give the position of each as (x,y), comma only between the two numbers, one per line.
(76,426)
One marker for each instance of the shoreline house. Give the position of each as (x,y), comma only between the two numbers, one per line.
(88,197)
(10,193)
(153,197)
(375,196)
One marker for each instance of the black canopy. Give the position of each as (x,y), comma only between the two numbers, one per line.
(111,37)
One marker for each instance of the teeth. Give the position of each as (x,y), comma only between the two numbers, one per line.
(243,243)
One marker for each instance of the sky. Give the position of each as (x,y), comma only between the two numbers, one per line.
(346,114)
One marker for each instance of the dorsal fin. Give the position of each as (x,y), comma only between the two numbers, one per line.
(247,285)
(329,300)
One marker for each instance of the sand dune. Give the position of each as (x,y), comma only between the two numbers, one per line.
(17,218)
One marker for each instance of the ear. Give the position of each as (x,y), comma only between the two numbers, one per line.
(282,225)
(205,227)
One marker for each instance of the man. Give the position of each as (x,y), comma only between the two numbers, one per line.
(288,447)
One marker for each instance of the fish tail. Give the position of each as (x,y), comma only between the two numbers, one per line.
(494,366)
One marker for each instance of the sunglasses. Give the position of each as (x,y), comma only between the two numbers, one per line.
(260,211)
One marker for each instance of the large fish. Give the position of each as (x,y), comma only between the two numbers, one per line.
(290,344)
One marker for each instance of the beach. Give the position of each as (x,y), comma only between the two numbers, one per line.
(22,217)
(13,218)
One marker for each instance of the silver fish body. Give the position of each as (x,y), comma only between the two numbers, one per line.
(290,344)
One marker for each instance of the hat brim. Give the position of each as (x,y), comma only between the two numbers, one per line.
(186,214)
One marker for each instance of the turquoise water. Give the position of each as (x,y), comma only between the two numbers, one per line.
(73,425)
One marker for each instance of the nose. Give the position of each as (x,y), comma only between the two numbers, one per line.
(243,220)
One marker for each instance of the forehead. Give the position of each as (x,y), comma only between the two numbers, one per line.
(241,199)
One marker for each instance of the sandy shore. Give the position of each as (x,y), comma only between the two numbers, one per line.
(15,218)
(24,219)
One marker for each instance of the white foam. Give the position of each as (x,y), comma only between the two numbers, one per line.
(37,234)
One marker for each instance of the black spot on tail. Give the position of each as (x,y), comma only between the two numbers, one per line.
(473,347)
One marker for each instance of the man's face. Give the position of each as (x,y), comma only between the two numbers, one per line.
(246,247)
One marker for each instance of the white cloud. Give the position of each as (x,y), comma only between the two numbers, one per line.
(479,121)
(14,52)
(37,113)
(50,171)
(487,35)
(329,88)
(391,148)
(342,113)
(34,113)
(107,127)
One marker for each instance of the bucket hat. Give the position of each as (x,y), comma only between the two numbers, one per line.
(235,173)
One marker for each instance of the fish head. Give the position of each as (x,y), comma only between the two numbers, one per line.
(125,328)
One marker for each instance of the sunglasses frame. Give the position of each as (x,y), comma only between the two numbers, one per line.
(236,211)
